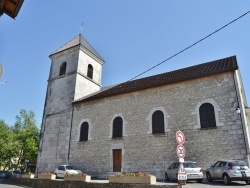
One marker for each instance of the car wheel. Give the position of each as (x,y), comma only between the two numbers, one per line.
(56,176)
(166,177)
(199,180)
(226,179)
(248,182)
(208,176)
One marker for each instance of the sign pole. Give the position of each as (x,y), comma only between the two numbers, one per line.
(181,152)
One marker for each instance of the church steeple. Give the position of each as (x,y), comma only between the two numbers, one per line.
(75,72)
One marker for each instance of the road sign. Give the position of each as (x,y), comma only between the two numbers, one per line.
(182,176)
(182,173)
(180,138)
(181,169)
(181,152)
(181,160)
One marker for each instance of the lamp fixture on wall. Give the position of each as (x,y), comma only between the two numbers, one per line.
(5,82)
(237,110)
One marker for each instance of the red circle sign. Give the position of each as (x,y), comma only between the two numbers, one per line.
(180,138)
(181,151)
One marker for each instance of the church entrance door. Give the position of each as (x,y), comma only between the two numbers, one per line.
(117,160)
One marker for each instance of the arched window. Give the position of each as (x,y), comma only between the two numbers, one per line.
(158,122)
(90,71)
(117,127)
(207,116)
(63,69)
(84,131)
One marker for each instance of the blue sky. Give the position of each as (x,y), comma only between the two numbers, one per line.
(130,35)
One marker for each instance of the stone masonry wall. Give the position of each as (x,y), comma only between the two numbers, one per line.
(40,183)
(58,112)
(62,90)
(143,151)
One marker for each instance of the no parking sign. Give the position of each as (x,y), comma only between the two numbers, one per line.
(181,152)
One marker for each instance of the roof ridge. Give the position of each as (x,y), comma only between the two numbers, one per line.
(65,44)
(91,49)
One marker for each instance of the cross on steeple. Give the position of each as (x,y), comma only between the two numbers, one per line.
(81,28)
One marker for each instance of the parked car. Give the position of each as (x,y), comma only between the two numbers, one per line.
(193,171)
(229,170)
(16,173)
(5,174)
(66,169)
(2,175)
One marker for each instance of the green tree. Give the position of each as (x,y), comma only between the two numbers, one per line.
(26,135)
(7,145)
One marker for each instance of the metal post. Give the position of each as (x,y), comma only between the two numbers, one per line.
(26,165)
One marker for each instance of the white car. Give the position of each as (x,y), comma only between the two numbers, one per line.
(229,170)
(193,171)
(66,169)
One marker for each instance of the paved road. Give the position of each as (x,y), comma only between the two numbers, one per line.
(10,186)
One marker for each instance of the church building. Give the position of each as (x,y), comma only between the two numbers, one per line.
(131,126)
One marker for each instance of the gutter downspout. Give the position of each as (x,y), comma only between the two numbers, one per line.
(71,124)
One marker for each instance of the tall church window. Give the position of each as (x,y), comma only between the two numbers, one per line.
(84,131)
(207,116)
(117,127)
(158,122)
(90,71)
(63,69)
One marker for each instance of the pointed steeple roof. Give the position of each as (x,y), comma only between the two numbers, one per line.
(78,40)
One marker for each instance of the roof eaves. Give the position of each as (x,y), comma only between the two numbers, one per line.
(63,50)
(168,78)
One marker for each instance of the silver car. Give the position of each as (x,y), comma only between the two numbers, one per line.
(62,170)
(193,171)
(229,170)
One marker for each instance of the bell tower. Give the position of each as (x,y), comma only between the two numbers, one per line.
(75,72)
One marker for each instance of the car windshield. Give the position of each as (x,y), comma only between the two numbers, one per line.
(70,168)
(190,165)
(237,163)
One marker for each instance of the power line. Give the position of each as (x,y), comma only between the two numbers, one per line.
(191,45)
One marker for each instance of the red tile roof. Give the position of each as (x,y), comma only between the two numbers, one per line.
(197,71)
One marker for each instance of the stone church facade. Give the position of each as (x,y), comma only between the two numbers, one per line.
(131,126)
